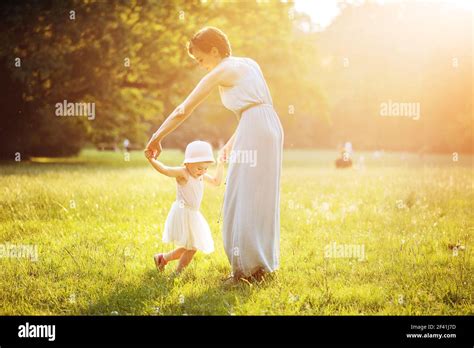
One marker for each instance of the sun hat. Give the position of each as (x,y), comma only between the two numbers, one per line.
(198,151)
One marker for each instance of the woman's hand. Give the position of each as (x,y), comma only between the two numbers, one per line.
(227,148)
(225,152)
(148,154)
(220,156)
(157,149)
(154,147)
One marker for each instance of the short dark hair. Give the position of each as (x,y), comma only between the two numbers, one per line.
(209,37)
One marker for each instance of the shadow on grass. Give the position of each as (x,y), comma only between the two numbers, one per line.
(217,299)
(159,294)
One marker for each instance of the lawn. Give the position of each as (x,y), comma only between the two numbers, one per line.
(97,219)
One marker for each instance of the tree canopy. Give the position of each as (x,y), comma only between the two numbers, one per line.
(129,58)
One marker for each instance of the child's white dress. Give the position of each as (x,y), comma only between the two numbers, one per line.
(185,226)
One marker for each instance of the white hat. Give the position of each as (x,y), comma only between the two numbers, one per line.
(198,151)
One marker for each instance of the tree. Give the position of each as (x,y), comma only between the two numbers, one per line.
(129,59)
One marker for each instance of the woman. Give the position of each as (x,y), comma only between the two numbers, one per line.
(251,211)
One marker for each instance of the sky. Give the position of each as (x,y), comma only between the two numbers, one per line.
(323,12)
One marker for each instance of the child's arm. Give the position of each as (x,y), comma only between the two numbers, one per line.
(216,180)
(172,172)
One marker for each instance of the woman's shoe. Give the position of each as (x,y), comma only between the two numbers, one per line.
(235,279)
(232,281)
(258,275)
(229,282)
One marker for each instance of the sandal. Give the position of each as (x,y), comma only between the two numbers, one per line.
(230,282)
(235,279)
(258,276)
(160,262)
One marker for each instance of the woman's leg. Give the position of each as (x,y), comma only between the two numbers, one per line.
(174,255)
(185,259)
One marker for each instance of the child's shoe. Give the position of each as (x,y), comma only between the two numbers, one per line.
(160,262)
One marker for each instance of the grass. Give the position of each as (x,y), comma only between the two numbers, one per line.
(97,221)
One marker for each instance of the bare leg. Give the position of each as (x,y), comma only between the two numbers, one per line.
(174,255)
(185,259)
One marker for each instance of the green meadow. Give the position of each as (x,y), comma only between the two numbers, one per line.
(391,236)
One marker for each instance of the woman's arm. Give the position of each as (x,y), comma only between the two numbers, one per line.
(216,180)
(218,75)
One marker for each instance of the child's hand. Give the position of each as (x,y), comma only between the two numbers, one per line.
(148,154)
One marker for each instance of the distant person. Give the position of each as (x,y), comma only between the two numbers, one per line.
(345,161)
(126,145)
(348,148)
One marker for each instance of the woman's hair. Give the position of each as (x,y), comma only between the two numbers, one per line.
(209,37)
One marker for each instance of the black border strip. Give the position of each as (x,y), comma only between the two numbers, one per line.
(194,330)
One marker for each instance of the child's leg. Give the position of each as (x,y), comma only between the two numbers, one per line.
(185,259)
(174,255)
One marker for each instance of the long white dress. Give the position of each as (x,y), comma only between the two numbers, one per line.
(251,210)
